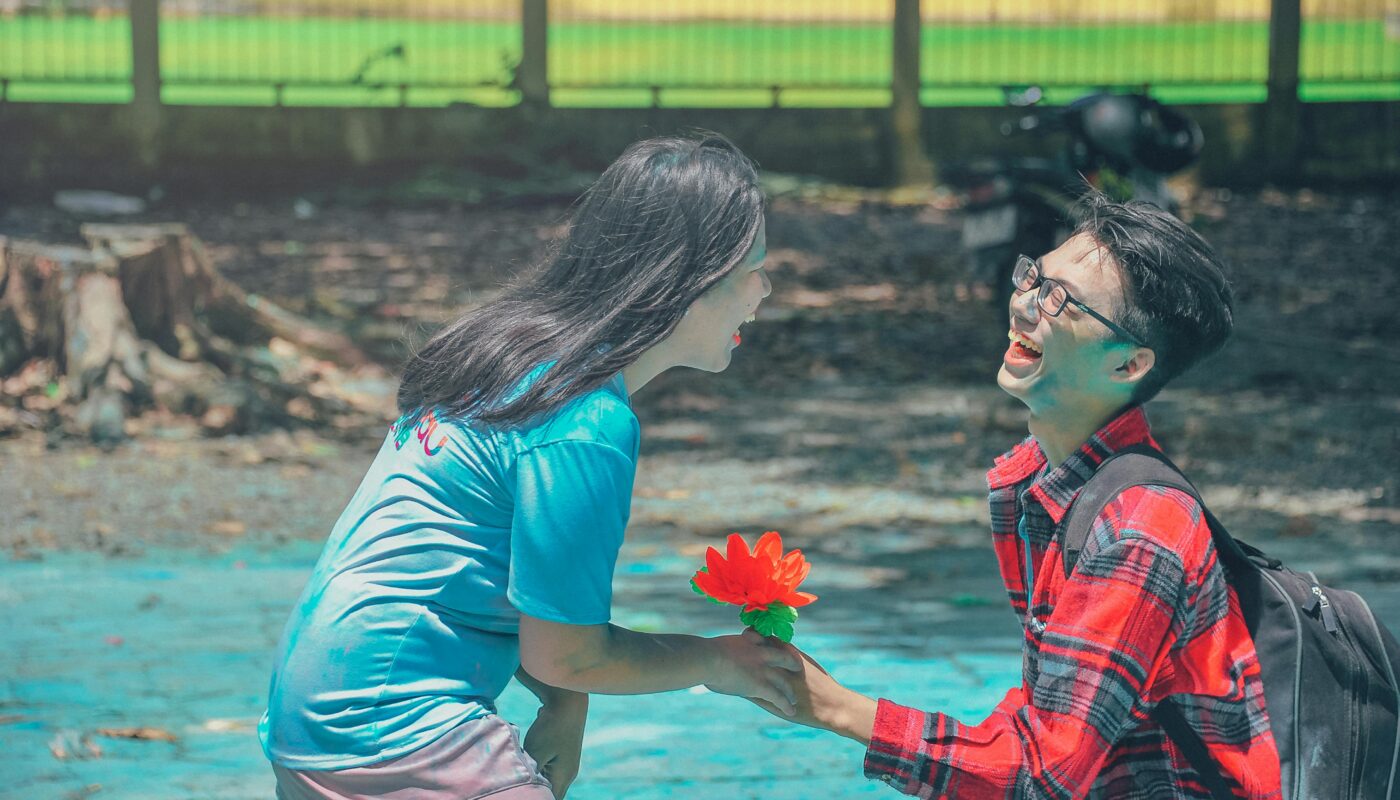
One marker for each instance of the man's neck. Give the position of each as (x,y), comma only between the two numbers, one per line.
(1061,435)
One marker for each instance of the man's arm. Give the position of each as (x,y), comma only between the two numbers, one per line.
(1114,623)
(829,705)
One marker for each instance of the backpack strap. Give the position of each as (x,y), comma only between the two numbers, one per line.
(1116,474)
(1169,716)
(1146,466)
(1141,465)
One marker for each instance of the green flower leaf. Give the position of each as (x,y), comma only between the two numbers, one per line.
(776,620)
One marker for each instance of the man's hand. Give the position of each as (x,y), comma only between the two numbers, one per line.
(748,665)
(823,703)
(555,739)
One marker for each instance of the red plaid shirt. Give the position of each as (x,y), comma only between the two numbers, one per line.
(1147,614)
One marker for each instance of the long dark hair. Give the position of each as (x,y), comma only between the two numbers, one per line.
(668,220)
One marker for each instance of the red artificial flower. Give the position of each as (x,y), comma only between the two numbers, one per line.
(755,580)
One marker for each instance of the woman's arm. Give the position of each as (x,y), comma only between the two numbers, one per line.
(546,693)
(555,739)
(606,659)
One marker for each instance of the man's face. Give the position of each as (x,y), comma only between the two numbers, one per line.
(1070,359)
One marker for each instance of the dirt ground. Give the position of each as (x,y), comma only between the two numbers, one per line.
(863,400)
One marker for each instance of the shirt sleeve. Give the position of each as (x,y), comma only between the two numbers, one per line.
(572,502)
(1110,633)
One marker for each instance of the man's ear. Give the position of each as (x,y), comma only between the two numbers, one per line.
(1138,362)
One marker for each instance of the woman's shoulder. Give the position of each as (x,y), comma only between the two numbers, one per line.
(603,416)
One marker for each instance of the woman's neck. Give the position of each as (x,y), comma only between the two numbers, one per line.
(640,372)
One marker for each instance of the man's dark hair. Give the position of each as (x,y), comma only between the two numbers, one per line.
(1177,298)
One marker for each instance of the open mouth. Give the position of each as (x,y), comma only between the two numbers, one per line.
(1022,350)
(737,338)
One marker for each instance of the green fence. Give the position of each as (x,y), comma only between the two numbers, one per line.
(68,51)
(684,52)
(1352,53)
(667,59)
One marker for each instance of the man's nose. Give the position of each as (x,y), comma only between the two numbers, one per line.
(1023,305)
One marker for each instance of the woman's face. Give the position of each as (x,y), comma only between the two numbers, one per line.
(709,332)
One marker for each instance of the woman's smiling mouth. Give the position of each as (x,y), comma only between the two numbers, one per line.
(736,337)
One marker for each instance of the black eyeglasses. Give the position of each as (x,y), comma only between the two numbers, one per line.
(1054,296)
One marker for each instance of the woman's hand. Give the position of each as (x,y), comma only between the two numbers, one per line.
(822,702)
(555,739)
(749,666)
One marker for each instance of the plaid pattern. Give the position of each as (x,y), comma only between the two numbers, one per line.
(1146,614)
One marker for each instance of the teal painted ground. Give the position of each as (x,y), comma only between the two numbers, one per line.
(181,641)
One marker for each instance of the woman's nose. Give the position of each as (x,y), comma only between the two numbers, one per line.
(767,285)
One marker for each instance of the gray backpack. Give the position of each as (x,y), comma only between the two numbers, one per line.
(1329,666)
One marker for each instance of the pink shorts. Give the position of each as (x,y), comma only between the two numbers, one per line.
(482,758)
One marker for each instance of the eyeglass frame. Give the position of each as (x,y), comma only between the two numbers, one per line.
(1025,263)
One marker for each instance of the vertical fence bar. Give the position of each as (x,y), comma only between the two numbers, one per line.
(533,75)
(911,166)
(145,79)
(1281,112)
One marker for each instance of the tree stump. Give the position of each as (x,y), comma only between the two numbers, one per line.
(141,319)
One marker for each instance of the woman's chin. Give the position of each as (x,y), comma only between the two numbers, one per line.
(719,363)
(712,361)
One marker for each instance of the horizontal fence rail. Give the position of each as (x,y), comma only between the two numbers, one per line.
(686,53)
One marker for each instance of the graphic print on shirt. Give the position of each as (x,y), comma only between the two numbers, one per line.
(426,427)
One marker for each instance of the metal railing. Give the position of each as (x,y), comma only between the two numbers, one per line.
(76,50)
(835,53)
(1350,50)
(720,53)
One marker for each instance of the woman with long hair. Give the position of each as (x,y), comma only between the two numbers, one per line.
(482,541)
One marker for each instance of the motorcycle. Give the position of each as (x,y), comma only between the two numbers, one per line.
(1124,145)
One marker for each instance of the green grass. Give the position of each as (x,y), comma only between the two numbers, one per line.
(239,60)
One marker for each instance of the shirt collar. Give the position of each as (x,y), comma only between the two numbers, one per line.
(1056,489)
(618,386)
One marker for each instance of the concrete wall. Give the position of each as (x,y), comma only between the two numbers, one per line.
(49,146)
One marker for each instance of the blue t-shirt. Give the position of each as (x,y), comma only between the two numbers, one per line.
(408,625)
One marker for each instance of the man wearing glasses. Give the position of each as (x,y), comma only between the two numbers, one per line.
(1097,327)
